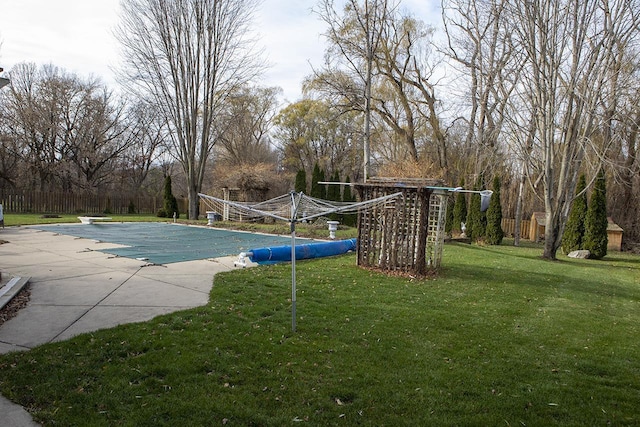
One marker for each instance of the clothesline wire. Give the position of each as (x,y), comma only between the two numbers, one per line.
(293,207)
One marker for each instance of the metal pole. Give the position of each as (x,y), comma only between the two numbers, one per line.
(294,215)
(293,275)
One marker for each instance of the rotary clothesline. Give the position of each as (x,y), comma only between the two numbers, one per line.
(291,207)
(294,207)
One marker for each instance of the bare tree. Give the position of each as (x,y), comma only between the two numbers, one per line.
(186,56)
(33,121)
(94,135)
(568,50)
(624,138)
(310,132)
(403,60)
(479,41)
(147,132)
(245,123)
(354,40)
(378,61)
(66,130)
(10,152)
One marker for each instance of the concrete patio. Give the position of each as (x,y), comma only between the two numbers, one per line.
(75,288)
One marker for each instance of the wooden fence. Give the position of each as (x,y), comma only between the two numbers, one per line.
(509,227)
(76,203)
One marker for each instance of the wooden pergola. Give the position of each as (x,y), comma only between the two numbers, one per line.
(407,233)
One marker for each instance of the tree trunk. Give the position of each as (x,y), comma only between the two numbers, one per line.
(187,58)
(517,231)
(194,202)
(552,237)
(367,115)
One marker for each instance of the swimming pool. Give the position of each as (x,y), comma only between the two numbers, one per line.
(166,243)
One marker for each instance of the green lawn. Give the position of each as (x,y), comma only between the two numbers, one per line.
(500,337)
(35,219)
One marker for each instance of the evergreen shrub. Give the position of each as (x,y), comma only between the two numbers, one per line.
(476,220)
(301,181)
(494,233)
(595,221)
(574,230)
(170,202)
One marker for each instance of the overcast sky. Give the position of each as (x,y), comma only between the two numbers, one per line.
(77,35)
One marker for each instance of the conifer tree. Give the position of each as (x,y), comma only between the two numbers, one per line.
(346,194)
(494,215)
(349,219)
(574,230)
(170,203)
(301,181)
(476,220)
(322,194)
(459,210)
(333,191)
(317,190)
(595,221)
(448,225)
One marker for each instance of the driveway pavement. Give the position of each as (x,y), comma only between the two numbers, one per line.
(75,288)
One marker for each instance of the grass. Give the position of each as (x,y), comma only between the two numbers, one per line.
(500,337)
(36,219)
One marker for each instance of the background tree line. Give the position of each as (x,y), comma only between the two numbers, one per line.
(533,94)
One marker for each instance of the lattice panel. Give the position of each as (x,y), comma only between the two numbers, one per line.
(435,231)
(394,236)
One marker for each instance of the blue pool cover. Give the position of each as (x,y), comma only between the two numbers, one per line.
(165,243)
(272,255)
